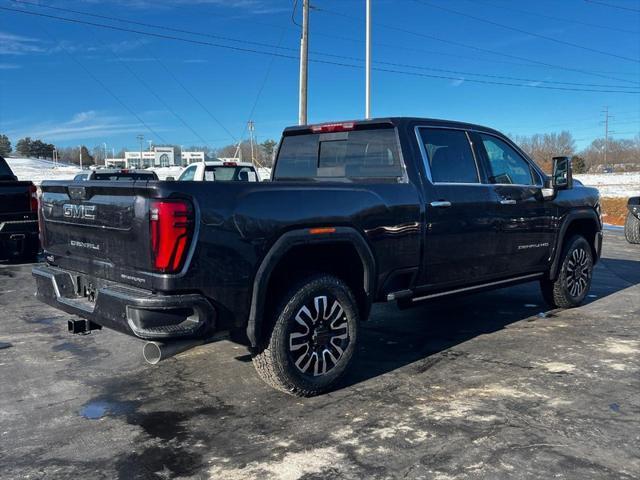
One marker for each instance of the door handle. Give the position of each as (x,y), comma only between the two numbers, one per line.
(440,204)
(507,201)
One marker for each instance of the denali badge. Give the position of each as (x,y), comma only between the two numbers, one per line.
(88,212)
(92,246)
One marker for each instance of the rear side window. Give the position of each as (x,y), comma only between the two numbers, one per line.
(449,155)
(228,174)
(356,154)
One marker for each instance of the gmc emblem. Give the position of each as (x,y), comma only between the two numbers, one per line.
(87,212)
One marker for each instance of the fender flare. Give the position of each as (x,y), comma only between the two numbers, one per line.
(566,223)
(295,238)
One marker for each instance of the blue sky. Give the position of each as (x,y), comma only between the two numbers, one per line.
(72,83)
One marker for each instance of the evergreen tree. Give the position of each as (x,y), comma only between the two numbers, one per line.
(24,146)
(5,146)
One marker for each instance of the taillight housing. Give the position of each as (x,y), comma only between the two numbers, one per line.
(33,198)
(171,224)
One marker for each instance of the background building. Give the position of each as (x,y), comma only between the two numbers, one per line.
(192,157)
(157,157)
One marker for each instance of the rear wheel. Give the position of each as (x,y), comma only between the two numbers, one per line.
(574,279)
(313,339)
(632,229)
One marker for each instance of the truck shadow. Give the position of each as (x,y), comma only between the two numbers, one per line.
(423,336)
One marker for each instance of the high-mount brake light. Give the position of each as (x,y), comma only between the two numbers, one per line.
(229,164)
(33,198)
(171,225)
(333,127)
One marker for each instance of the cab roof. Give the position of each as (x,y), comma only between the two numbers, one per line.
(389,121)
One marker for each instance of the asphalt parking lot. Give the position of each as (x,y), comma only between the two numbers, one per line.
(488,386)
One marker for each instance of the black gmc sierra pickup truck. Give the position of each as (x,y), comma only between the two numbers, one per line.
(395,209)
(18,217)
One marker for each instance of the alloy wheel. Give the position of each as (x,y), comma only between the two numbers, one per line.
(578,272)
(319,336)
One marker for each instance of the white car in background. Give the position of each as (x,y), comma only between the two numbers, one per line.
(219,171)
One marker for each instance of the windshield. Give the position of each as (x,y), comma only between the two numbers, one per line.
(229,174)
(5,171)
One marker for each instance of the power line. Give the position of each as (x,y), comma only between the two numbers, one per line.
(473,47)
(320,61)
(559,19)
(153,92)
(195,99)
(526,32)
(278,46)
(105,87)
(610,5)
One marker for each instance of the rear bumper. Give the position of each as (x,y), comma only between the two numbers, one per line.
(136,312)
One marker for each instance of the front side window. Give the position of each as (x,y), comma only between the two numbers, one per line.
(506,166)
(356,154)
(188,175)
(449,155)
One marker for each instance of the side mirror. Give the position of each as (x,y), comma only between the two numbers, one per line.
(562,178)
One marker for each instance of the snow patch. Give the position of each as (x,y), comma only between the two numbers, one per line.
(291,467)
(613,184)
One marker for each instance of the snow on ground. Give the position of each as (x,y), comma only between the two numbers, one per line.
(609,184)
(613,184)
(38,170)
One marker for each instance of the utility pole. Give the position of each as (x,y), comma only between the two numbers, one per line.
(150,144)
(606,133)
(252,127)
(367,108)
(105,152)
(141,140)
(80,147)
(304,64)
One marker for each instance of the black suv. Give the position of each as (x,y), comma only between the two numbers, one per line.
(394,209)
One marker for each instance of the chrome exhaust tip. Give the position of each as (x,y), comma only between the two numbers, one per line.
(155,352)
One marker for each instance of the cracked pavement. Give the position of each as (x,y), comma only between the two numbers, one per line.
(493,385)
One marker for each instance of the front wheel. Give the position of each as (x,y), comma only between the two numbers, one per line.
(313,339)
(574,279)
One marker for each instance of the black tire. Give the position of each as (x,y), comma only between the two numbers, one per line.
(632,229)
(573,282)
(289,358)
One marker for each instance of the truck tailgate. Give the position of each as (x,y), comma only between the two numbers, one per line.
(15,197)
(99,228)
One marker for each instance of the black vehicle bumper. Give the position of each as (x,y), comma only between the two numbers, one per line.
(129,310)
(18,238)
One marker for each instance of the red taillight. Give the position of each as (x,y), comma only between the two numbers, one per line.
(170,223)
(333,127)
(33,198)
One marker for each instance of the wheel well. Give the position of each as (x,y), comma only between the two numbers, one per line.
(339,259)
(586,227)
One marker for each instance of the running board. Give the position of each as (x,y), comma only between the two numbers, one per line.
(477,287)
